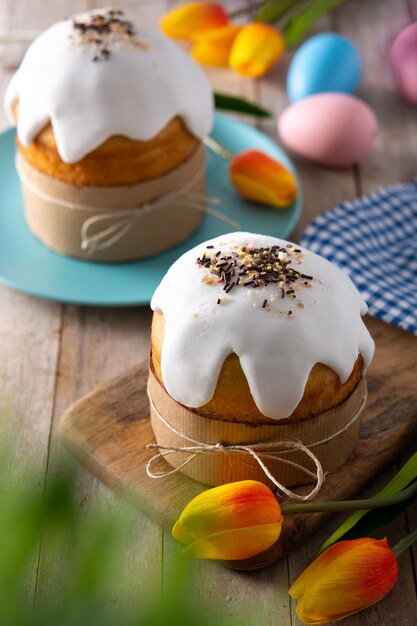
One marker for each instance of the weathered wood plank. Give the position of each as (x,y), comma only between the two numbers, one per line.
(241,598)
(410,524)
(97,343)
(5,76)
(393,156)
(412,9)
(30,332)
(29,338)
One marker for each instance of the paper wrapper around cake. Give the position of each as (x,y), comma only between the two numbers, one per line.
(59,227)
(218,468)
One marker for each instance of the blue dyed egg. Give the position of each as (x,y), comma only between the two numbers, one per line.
(325,62)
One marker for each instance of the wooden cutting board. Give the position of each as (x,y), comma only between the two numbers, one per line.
(109,428)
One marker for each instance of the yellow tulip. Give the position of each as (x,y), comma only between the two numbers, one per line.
(346,578)
(188,20)
(230,522)
(256,49)
(261,178)
(213,47)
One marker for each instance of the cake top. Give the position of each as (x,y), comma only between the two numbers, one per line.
(99,74)
(278,306)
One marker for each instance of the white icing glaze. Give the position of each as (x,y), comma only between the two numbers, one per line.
(276,352)
(135,93)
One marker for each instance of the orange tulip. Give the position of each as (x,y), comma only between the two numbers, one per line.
(213,47)
(188,20)
(259,177)
(346,578)
(230,522)
(256,49)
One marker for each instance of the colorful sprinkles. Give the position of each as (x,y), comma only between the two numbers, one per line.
(103,29)
(250,267)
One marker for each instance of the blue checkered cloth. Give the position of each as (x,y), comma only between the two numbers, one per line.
(374,238)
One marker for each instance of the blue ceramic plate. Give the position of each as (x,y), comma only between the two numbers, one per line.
(28,266)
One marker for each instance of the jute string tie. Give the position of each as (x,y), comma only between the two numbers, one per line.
(256,451)
(107,236)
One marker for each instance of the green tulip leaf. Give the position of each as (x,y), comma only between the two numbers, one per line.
(378,518)
(225,102)
(404,477)
(302,22)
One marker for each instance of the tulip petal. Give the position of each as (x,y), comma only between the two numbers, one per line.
(242,543)
(320,563)
(256,49)
(185,21)
(213,47)
(346,578)
(235,505)
(180,533)
(260,178)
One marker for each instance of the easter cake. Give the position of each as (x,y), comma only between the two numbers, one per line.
(110,119)
(255,339)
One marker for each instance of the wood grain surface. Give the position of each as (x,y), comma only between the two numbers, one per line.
(52,354)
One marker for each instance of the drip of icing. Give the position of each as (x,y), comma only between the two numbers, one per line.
(134,92)
(277,350)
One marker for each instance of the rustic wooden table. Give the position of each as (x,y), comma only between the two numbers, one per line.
(51,354)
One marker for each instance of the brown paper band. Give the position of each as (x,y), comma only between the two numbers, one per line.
(59,227)
(331,437)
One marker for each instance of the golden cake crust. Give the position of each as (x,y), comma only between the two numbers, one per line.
(232,397)
(118,161)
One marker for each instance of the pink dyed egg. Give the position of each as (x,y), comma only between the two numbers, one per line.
(403,56)
(334,129)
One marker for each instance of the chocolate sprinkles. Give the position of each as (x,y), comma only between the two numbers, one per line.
(102,29)
(256,267)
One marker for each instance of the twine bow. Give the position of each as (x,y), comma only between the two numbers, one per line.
(127,218)
(256,451)
(124,219)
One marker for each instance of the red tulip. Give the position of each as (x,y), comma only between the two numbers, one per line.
(256,49)
(230,522)
(346,578)
(261,178)
(212,47)
(188,20)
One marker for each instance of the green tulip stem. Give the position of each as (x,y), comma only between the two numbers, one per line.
(405,543)
(217,148)
(245,10)
(350,505)
(19,36)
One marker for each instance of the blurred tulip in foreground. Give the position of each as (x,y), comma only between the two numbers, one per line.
(213,47)
(256,49)
(260,178)
(346,578)
(188,20)
(230,522)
